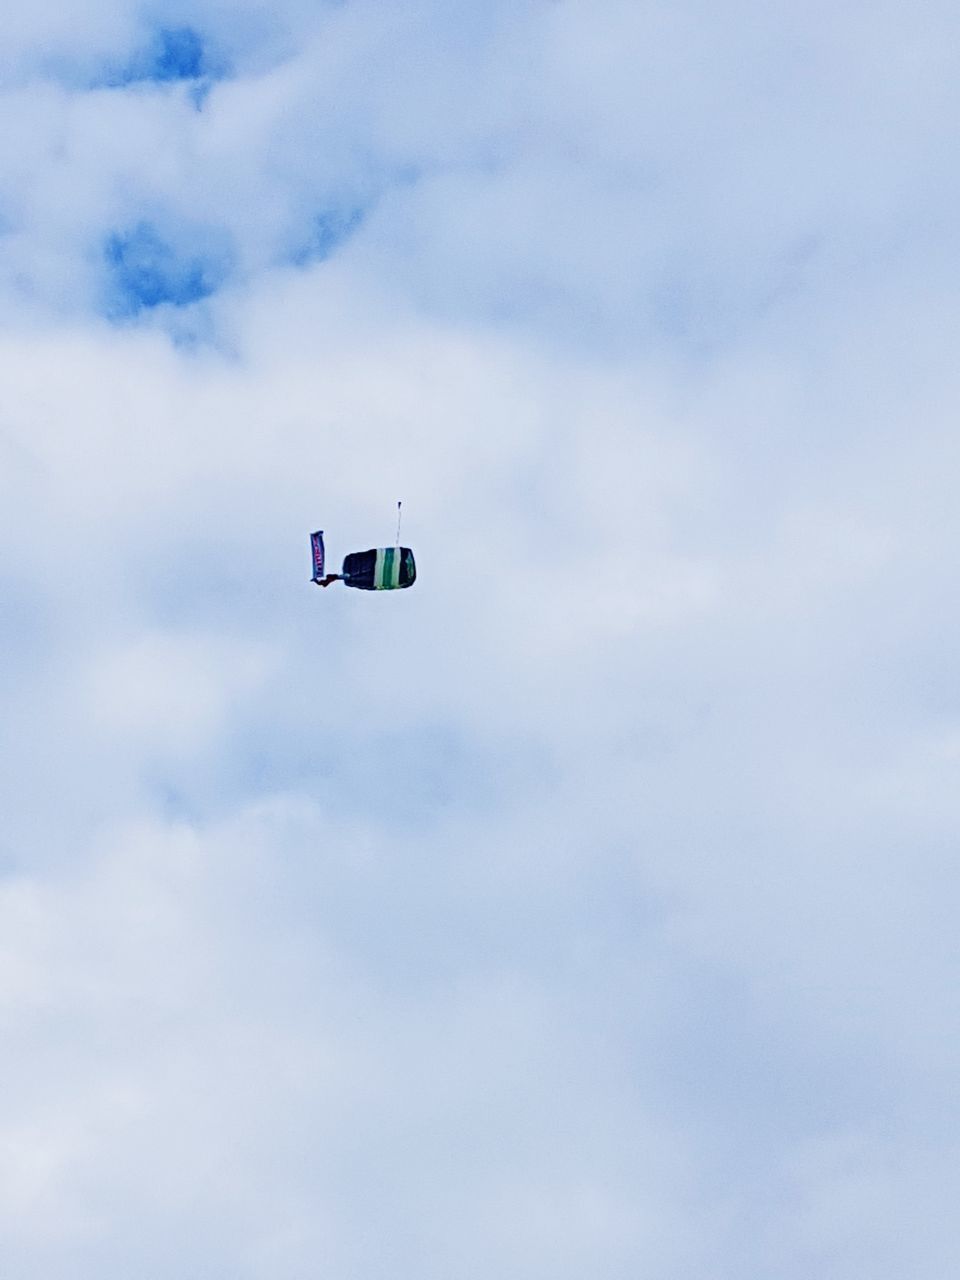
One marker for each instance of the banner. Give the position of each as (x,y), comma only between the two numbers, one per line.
(316,544)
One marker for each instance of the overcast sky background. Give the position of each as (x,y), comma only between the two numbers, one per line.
(590,909)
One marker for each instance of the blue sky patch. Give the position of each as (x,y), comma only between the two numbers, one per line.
(178,54)
(172,55)
(147,270)
(328,231)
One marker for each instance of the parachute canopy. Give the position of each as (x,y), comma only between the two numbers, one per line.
(381,569)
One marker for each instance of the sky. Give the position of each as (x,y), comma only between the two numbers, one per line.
(589,909)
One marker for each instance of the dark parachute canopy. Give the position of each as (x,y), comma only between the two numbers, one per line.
(380,569)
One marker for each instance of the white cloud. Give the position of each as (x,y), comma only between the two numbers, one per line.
(170,690)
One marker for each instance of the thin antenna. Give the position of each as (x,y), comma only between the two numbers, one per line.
(399,513)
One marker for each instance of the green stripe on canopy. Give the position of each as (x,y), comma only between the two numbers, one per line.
(386,573)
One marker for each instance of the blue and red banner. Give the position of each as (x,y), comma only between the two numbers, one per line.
(316,544)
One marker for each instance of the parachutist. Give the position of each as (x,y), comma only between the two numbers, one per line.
(379,569)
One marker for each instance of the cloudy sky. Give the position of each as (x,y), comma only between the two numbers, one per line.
(590,909)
